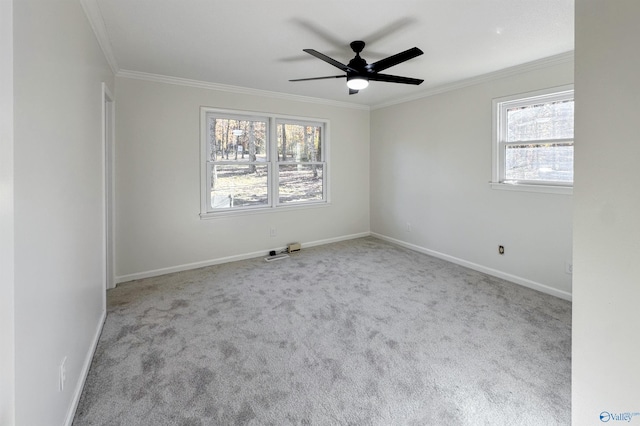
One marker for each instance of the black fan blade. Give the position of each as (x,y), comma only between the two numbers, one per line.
(385,63)
(394,79)
(318,78)
(329,60)
(353,92)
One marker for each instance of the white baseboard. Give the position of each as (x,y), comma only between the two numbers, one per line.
(227,259)
(480,268)
(336,239)
(489,271)
(77,393)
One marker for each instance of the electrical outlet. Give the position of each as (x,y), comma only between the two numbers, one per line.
(568,267)
(62,374)
(272,231)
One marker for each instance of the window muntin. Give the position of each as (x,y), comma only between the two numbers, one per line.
(254,162)
(534,138)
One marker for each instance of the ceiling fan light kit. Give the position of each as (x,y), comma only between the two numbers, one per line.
(359,73)
(357,82)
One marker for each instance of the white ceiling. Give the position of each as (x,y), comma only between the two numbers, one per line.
(258,44)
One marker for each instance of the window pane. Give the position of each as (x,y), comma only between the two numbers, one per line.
(237,140)
(539,162)
(239,186)
(552,120)
(300,182)
(299,142)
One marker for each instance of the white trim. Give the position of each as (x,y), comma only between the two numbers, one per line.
(336,239)
(108,148)
(489,271)
(447,87)
(323,161)
(227,259)
(480,268)
(96,21)
(272,163)
(549,94)
(7,218)
(499,129)
(543,63)
(205,180)
(157,78)
(264,210)
(521,187)
(77,393)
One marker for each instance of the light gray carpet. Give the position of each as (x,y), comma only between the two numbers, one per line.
(360,332)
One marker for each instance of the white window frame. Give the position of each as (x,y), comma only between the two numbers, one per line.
(277,162)
(499,144)
(272,163)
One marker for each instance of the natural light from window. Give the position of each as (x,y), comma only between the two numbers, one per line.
(253,162)
(534,139)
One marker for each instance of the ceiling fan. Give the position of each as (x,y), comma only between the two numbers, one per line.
(359,73)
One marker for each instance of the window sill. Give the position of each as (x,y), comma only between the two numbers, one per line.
(261,210)
(548,189)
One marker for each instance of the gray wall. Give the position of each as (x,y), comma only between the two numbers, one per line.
(59,213)
(431,167)
(606,326)
(7,307)
(158,228)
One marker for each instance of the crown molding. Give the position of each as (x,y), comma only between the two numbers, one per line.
(158,78)
(94,16)
(550,61)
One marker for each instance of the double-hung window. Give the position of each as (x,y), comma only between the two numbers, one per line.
(300,162)
(533,140)
(256,162)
